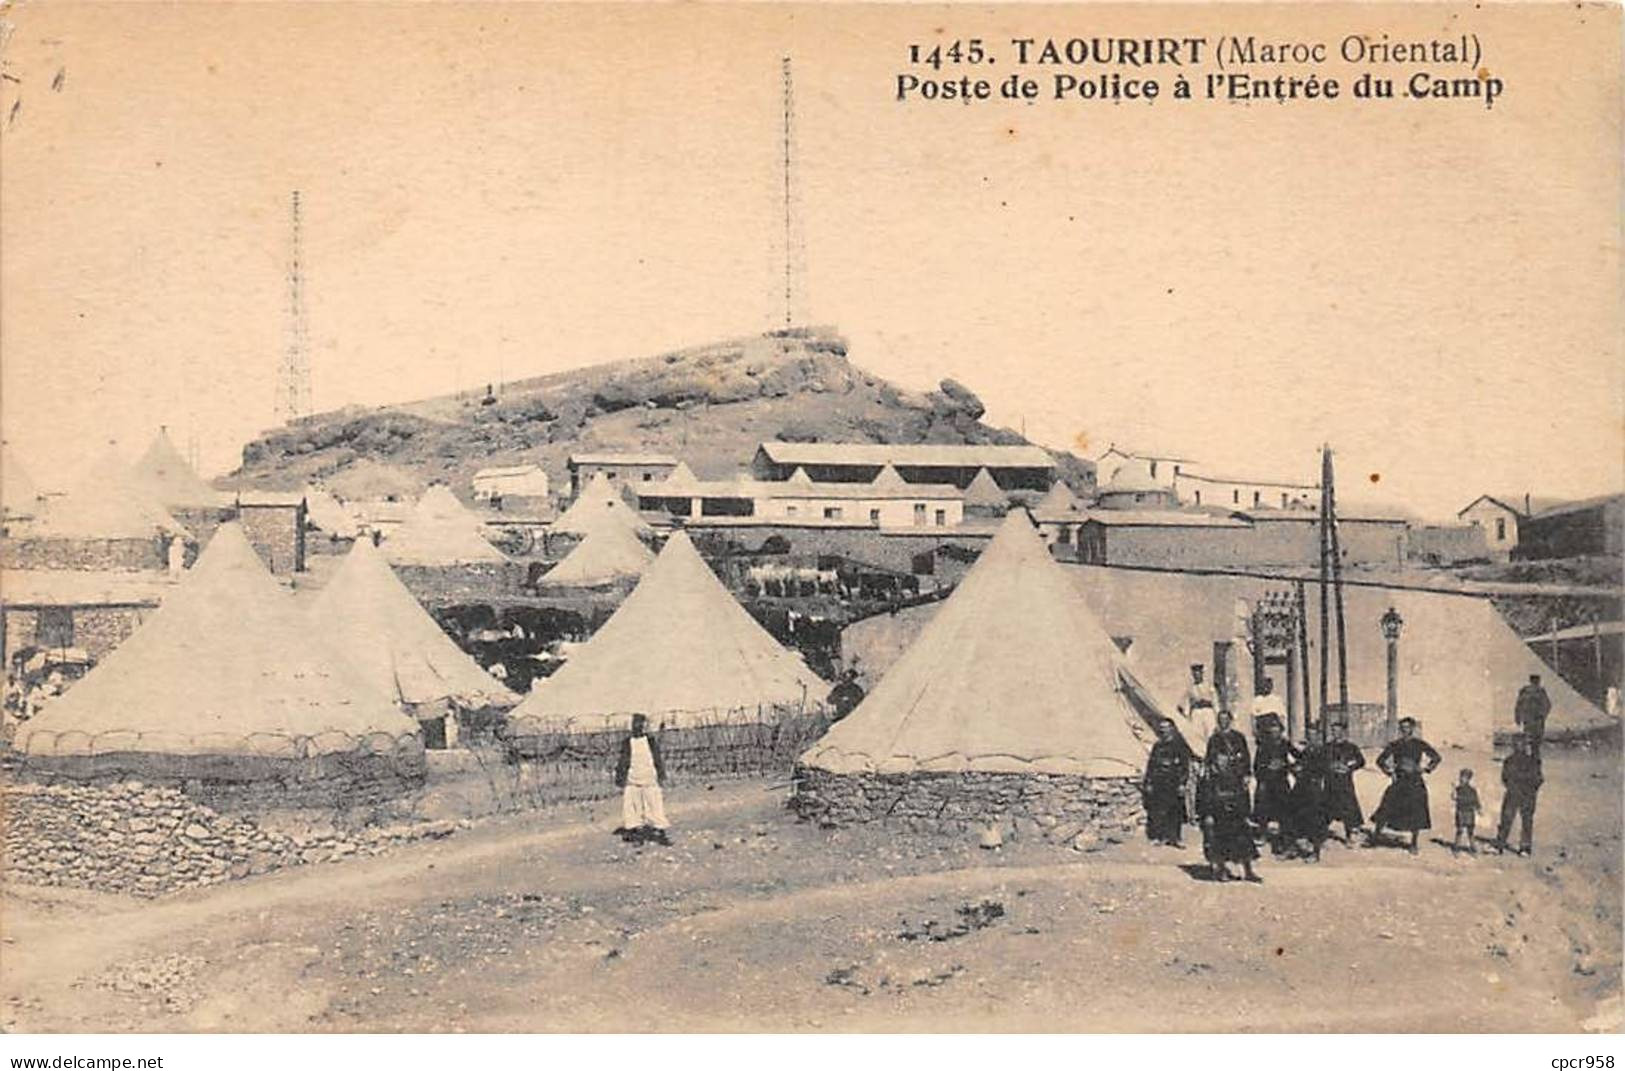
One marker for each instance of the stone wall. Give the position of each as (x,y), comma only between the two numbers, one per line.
(85,555)
(96,629)
(1080,811)
(133,837)
(243,782)
(277,534)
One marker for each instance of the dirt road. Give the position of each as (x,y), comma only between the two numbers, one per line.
(753,921)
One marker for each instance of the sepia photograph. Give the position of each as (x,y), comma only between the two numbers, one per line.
(781,518)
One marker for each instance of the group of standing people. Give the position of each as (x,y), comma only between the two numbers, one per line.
(1290,796)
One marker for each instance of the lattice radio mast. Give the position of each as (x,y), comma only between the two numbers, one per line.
(789,200)
(293,382)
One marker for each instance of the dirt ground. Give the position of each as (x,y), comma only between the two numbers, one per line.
(752,921)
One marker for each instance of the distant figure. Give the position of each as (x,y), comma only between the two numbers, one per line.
(1201,703)
(1404,806)
(1343,757)
(1521,774)
(1167,771)
(1273,764)
(1610,701)
(640,772)
(1465,797)
(846,696)
(1530,712)
(1229,744)
(1221,804)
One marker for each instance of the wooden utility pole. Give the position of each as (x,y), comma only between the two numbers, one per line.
(1336,551)
(1325,577)
(1301,639)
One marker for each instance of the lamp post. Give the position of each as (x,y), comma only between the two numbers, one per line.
(1391,624)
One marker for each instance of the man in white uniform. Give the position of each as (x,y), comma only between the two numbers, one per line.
(640,773)
(1201,704)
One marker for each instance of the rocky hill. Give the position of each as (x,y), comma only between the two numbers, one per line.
(709,405)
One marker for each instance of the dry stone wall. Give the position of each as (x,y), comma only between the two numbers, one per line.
(146,840)
(1083,812)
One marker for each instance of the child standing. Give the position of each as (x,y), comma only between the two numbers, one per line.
(1467,808)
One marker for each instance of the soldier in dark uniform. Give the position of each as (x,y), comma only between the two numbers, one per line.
(1404,805)
(1272,767)
(1309,815)
(1342,802)
(1521,774)
(1228,742)
(1530,711)
(1167,770)
(1222,806)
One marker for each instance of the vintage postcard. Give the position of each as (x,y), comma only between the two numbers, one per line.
(830,518)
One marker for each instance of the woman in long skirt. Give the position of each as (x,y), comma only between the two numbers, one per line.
(1221,803)
(1404,805)
(1167,770)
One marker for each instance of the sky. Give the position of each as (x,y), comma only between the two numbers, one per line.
(496,191)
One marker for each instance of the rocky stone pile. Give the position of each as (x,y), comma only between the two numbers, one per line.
(1082,812)
(147,840)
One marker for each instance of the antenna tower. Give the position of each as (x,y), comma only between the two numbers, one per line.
(293,382)
(789,201)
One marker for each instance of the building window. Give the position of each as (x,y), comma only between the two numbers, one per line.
(942,518)
(1235,497)
(54,627)
(611,473)
(832,513)
(1258,498)
(789,511)
(1176,470)
(919,513)
(1198,498)
(1063,536)
(1283,500)
(1138,497)
(647,476)
(1153,470)
(1500,529)
(874,516)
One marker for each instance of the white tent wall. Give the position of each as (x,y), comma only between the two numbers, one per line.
(1460,664)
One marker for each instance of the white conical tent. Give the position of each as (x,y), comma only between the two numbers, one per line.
(367,615)
(226,666)
(440,532)
(598,504)
(985,492)
(104,502)
(328,515)
(1013,675)
(610,553)
(170,480)
(679,649)
(1460,664)
(1058,501)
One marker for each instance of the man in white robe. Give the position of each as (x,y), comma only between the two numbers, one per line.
(640,773)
